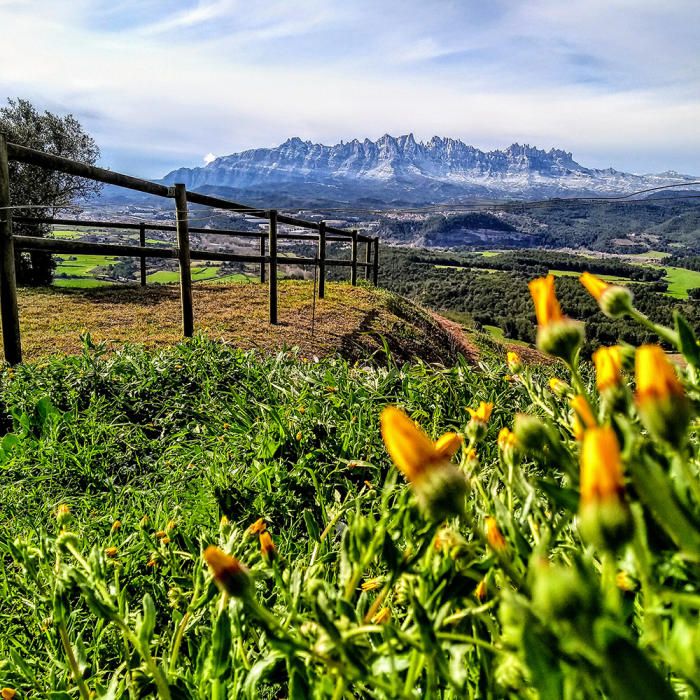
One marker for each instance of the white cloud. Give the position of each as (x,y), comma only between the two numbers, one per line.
(326,72)
(209,158)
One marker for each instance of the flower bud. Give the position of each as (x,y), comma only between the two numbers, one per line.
(559,387)
(440,488)
(583,416)
(661,400)
(508,444)
(476,428)
(514,362)
(229,574)
(381,617)
(560,593)
(494,536)
(257,527)
(605,519)
(608,367)
(267,547)
(614,301)
(63,515)
(556,335)
(530,432)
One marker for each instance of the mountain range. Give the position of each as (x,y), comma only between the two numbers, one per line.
(405,171)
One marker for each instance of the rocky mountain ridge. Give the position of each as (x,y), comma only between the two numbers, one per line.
(403,169)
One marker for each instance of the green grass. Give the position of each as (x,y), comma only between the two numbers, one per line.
(82,265)
(613,279)
(680,281)
(67,235)
(80,282)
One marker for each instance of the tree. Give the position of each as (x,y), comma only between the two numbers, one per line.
(34,187)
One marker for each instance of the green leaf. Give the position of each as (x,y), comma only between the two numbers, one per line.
(688,341)
(148,622)
(218,662)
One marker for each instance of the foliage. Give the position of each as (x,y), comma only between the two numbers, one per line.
(545,582)
(500,298)
(31,186)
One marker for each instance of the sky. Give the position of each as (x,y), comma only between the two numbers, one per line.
(165,83)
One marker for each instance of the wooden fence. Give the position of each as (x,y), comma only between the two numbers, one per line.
(268,255)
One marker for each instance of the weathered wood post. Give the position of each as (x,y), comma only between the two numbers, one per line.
(273,266)
(368,258)
(375,269)
(322,260)
(353,268)
(262,255)
(142,243)
(183,256)
(8,282)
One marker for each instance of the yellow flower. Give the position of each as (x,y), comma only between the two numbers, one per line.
(412,450)
(267,547)
(596,287)
(514,362)
(7,693)
(547,309)
(160,534)
(556,335)
(608,367)
(257,527)
(111,552)
(371,584)
(299,436)
(229,574)
(483,413)
(583,416)
(494,536)
(481,590)
(63,514)
(506,439)
(614,301)
(116,525)
(661,400)
(165,540)
(601,468)
(381,617)
(170,526)
(439,486)
(559,387)
(604,515)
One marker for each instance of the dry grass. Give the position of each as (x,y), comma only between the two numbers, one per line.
(352,321)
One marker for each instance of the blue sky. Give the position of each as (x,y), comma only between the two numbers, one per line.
(162,84)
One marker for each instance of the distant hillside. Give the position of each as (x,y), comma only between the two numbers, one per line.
(403,170)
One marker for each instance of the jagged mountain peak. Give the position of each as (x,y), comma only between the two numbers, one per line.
(402,167)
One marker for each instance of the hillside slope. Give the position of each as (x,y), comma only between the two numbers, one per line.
(353,322)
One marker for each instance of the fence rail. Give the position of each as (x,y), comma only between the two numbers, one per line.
(9,242)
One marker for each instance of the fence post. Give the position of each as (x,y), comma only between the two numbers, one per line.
(183,255)
(353,269)
(273,266)
(262,255)
(142,243)
(375,269)
(368,257)
(8,282)
(322,260)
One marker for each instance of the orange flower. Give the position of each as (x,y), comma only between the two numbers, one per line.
(608,367)
(547,307)
(481,590)
(257,527)
(116,525)
(556,335)
(412,450)
(8,693)
(483,413)
(267,547)
(604,514)
(614,301)
(111,552)
(601,467)
(229,574)
(371,584)
(583,416)
(595,286)
(661,400)
(494,536)
(438,485)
